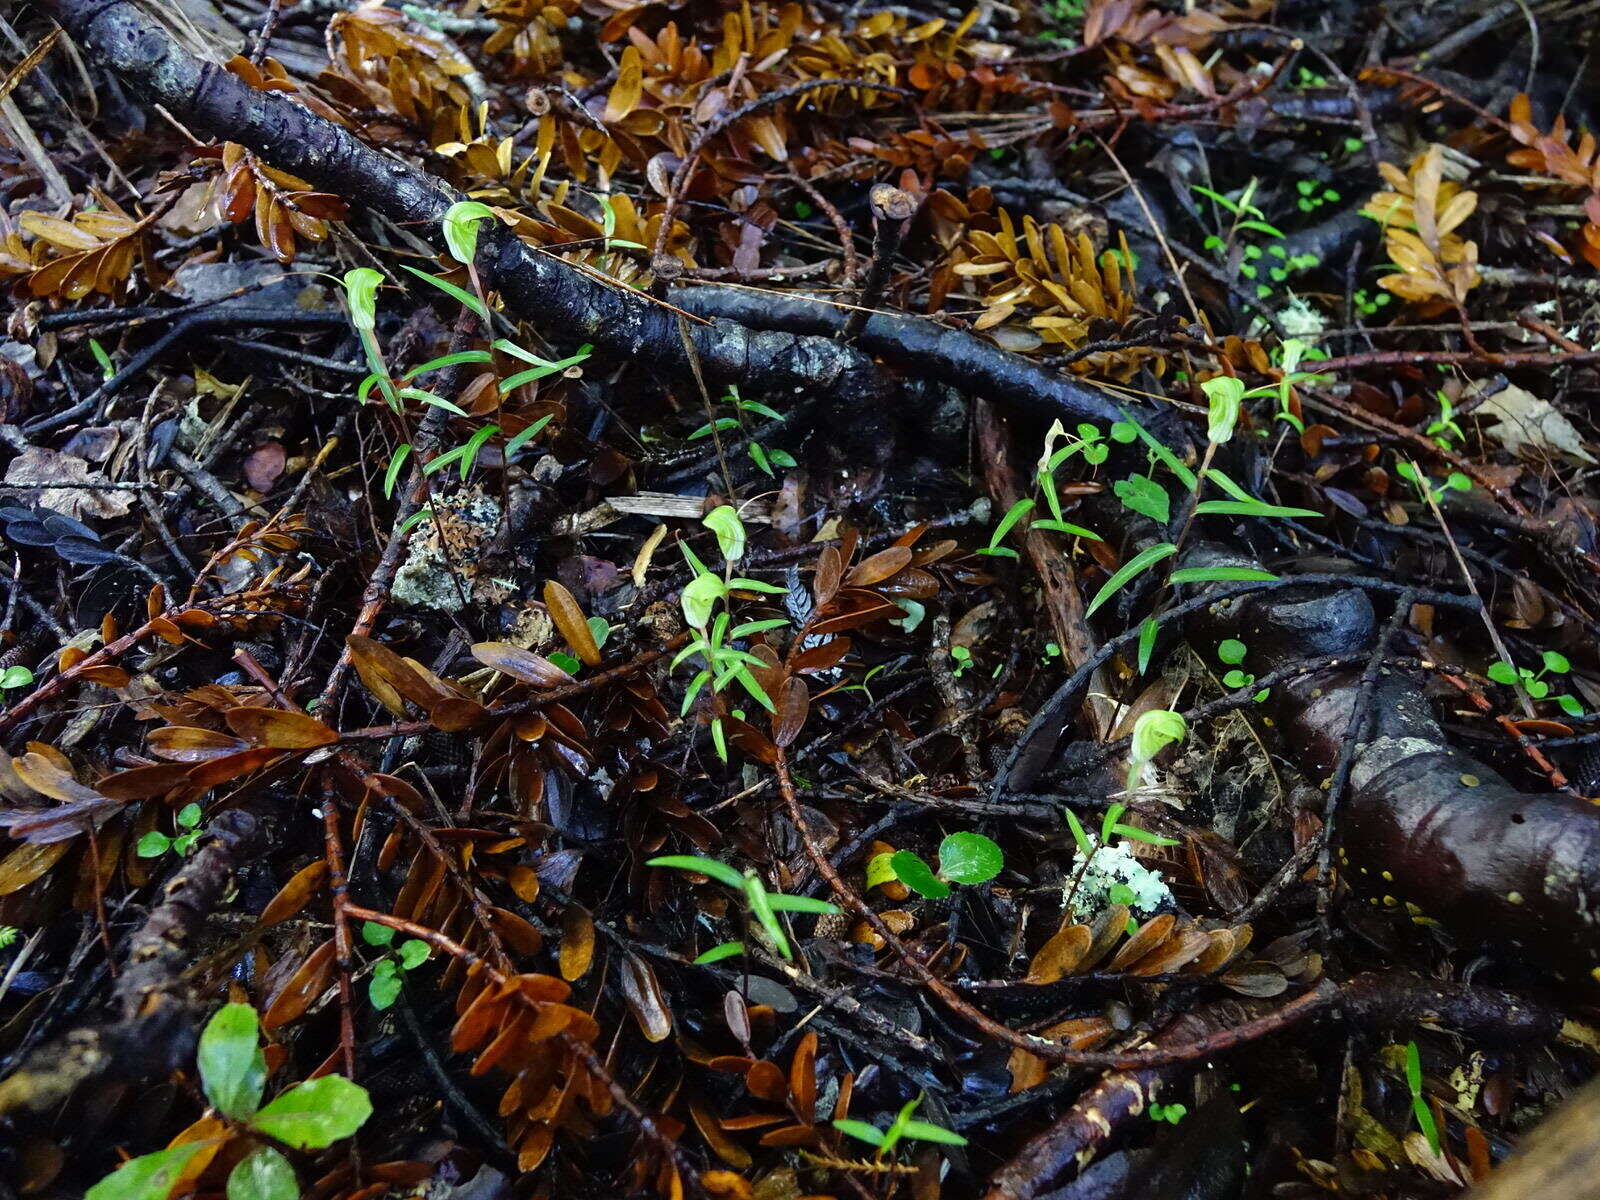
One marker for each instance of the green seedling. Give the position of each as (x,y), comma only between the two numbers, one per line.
(962,657)
(155,843)
(233,1074)
(1553,663)
(1427,490)
(966,858)
(15,677)
(383,989)
(713,641)
(1231,652)
(1419,1102)
(1445,428)
(760,903)
(904,1128)
(1170,1113)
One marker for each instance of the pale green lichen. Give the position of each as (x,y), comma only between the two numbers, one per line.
(1115,867)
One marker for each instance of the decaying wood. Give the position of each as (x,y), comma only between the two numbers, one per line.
(156,1030)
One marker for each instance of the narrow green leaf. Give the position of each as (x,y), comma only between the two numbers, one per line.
(761,908)
(518,441)
(1147,642)
(783,902)
(922,1131)
(860,1130)
(710,867)
(464,298)
(1133,567)
(448,360)
(469,452)
(392,475)
(1250,508)
(719,952)
(1219,575)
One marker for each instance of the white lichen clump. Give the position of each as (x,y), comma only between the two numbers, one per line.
(1109,867)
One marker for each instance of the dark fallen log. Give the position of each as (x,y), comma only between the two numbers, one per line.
(1373,1001)
(155,1033)
(560,300)
(1420,821)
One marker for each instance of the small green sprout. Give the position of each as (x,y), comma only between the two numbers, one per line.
(966,858)
(384,986)
(1419,1102)
(15,677)
(1171,1113)
(962,657)
(155,843)
(762,904)
(1445,428)
(1426,489)
(1553,663)
(903,1128)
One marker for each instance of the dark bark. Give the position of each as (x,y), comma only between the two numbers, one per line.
(155,1034)
(562,302)
(916,346)
(1422,822)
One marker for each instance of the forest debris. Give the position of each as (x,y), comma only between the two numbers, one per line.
(1524,420)
(47,477)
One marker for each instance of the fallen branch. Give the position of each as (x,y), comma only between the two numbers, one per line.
(156,1032)
(565,302)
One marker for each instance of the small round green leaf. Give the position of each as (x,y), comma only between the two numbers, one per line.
(414,953)
(970,858)
(1231,651)
(315,1114)
(1556,663)
(1503,672)
(917,875)
(264,1175)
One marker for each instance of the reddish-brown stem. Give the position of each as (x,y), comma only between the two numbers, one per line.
(343,951)
(1319,998)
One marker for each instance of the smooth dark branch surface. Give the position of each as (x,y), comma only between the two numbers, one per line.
(1422,822)
(563,301)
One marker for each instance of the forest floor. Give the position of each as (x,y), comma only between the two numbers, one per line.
(759,600)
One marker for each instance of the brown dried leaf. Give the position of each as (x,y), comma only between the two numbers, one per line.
(521,664)
(646,1002)
(577,941)
(279,728)
(294,895)
(308,982)
(571,623)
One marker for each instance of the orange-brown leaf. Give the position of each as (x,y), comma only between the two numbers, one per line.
(279,728)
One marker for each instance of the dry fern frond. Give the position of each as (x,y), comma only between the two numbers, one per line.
(1420,214)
